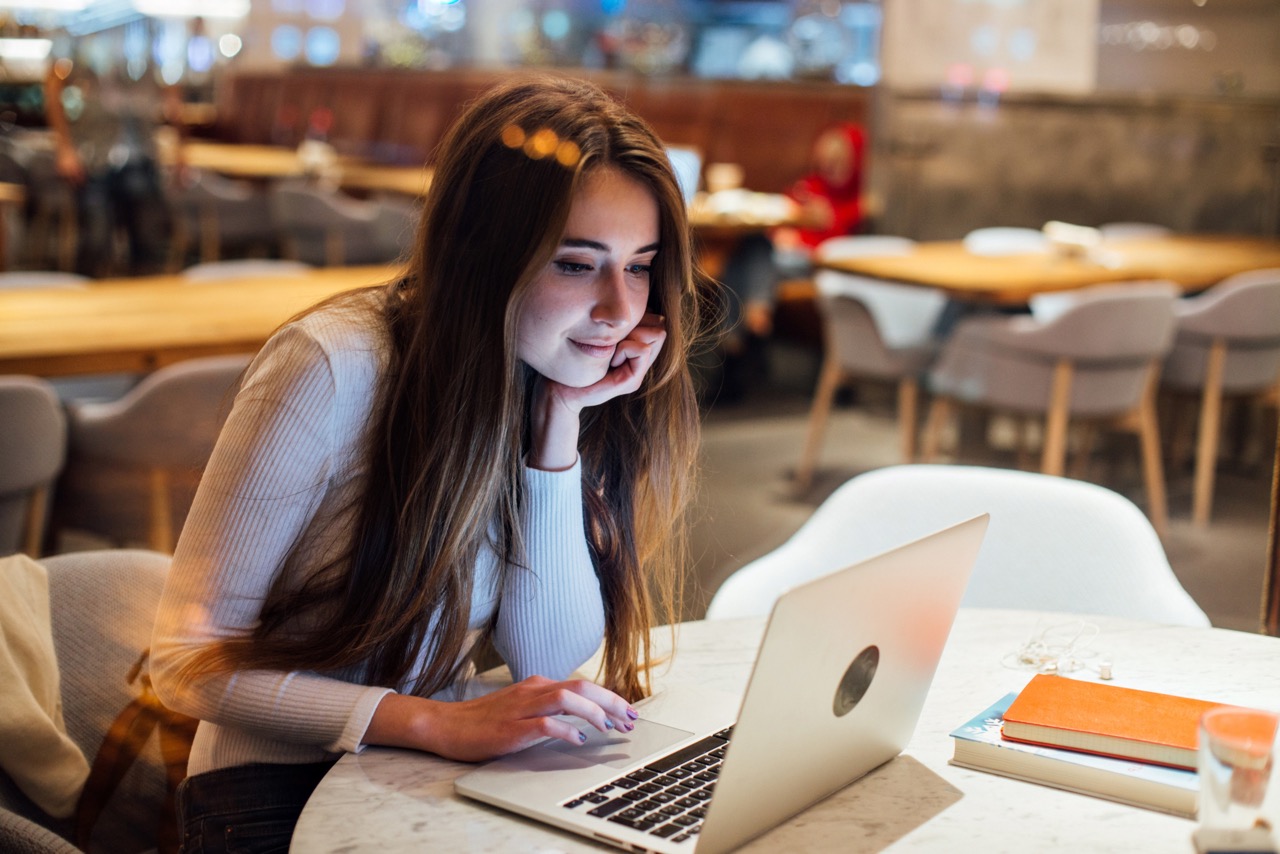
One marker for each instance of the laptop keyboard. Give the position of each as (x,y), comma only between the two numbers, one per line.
(668,797)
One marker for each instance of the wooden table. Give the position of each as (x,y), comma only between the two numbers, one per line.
(1193,261)
(269,162)
(135,325)
(389,800)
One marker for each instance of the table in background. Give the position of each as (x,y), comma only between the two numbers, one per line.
(271,162)
(141,324)
(1193,261)
(397,800)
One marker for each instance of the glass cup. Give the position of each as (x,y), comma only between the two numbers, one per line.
(1236,761)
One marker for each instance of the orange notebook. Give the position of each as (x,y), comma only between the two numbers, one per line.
(1106,719)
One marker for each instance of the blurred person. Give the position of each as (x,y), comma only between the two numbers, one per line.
(829,198)
(496,449)
(104,125)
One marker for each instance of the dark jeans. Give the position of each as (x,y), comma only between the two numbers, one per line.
(129,198)
(250,809)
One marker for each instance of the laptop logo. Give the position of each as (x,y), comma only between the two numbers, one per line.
(856,680)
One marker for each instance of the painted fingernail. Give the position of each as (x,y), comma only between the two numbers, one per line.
(628,726)
(633,714)
(582,736)
(608,724)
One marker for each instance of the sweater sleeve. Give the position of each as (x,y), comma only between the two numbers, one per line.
(551,616)
(257,500)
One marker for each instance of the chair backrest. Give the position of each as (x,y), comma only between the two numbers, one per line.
(42,279)
(863,246)
(1002,240)
(1116,231)
(33,442)
(169,420)
(1124,321)
(103,606)
(1111,335)
(1243,311)
(1244,308)
(240,268)
(904,315)
(309,218)
(1053,544)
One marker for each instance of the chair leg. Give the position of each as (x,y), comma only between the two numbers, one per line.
(1053,456)
(161,528)
(334,251)
(940,412)
(1080,466)
(209,238)
(1152,465)
(1207,441)
(908,407)
(828,382)
(33,532)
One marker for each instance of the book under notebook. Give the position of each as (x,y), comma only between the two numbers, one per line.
(979,745)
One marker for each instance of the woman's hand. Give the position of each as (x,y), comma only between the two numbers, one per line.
(505,721)
(556,407)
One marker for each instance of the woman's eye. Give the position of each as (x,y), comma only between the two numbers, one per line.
(640,269)
(572,268)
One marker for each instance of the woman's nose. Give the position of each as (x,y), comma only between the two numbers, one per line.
(611,305)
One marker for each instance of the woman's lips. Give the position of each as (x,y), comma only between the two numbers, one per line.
(596,351)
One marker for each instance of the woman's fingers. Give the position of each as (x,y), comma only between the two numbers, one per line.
(583,699)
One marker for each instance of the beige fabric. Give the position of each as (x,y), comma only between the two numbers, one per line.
(34,747)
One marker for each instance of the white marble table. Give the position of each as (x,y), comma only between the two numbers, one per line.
(396,800)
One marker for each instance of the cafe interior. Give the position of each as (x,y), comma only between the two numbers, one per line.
(1064,271)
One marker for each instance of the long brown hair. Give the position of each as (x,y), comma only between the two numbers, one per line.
(445,465)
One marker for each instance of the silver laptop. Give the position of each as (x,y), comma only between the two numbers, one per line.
(836,691)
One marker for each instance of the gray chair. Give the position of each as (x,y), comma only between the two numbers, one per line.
(33,442)
(873,330)
(133,464)
(103,606)
(218,213)
(1034,555)
(326,227)
(1097,361)
(1227,345)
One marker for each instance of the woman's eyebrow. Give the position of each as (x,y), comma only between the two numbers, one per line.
(584,243)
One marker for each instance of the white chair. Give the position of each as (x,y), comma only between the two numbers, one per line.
(1113,232)
(42,279)
(242,268)
(102,607)
(133,464)
(1096,362)
(1004,240)
(33,443)
(1227,344)
(1053,544)
(873,330)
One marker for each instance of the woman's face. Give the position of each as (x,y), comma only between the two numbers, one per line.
(596,287)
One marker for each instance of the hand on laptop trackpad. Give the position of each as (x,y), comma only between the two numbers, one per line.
(616,749)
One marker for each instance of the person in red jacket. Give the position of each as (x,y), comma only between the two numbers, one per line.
(830,200)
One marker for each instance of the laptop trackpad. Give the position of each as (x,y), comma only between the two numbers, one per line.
(619,750)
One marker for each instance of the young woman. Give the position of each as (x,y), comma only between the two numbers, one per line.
(496,449)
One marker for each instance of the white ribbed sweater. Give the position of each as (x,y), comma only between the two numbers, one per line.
(274,501)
